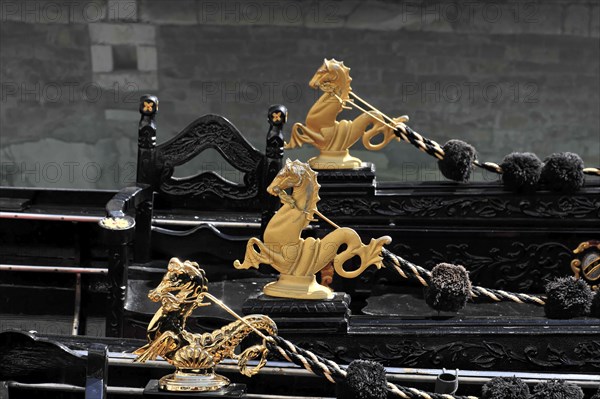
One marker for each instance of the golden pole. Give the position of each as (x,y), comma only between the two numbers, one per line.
(370,106)
(325,218)
(367,112)
(231,312)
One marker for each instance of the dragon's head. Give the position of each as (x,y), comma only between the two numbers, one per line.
(185,281)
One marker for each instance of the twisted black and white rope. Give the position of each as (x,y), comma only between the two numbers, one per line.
(434,149)
(489,166)
(409,270)
(431,147)
(592,171)
(422,143)
(334,373)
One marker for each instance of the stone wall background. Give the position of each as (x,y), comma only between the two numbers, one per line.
(504,76)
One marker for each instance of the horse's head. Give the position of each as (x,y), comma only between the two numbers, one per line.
(332,76)
(291,175)
(185,280)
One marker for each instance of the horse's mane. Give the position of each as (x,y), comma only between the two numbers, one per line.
(338,68)
(303,171)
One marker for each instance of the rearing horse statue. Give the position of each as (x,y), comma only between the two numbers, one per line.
(183,289)
(297,259)
(334,138)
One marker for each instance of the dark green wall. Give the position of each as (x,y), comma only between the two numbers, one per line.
(505,76)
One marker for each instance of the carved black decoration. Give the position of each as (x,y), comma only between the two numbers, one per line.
(526,267)
(147,139)
(347,181)
(325,315)
(156,188)
(507,264)
(507,241)
(520,352)
(481,206)
(277,115)
(208,190)
(210,131)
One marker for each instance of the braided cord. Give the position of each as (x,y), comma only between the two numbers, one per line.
(408,135)
(592,171)
(334,373)
(409,270)
(489,166)
(434,149)
(400,130)
(422,143)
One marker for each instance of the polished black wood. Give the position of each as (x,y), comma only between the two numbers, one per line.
(506,240)
(349,182)
(27,358)
(233,391)
(206,191)
(62,359)
(318,316)
(97,372)
(277,116)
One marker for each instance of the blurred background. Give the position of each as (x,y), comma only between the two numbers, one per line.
(504,76)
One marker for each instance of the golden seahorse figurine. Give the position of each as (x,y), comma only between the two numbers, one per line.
(331,137)
(183,289)
(297,259)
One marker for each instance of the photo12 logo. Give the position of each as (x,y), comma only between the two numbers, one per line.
(469,92)
(470,12)
(66,11)
(68,92)
(254,92)
(44,173)
(269,12)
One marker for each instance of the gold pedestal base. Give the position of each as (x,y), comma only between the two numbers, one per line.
(193,381)
(297,287)
(335,160)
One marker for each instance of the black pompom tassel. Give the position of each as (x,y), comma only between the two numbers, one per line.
(505,388)
(563,171)
(365,380)
(449,288)
(556,389)
(567,297)
(458,160)
(521,171)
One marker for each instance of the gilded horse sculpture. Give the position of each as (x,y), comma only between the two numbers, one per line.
(297,259)
(183,289)
(334,138)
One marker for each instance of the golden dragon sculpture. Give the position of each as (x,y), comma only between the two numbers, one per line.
(182,290)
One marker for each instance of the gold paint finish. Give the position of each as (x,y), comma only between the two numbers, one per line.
(276,116)
(334,138)
(182,290)
(148,106)
(298,259)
